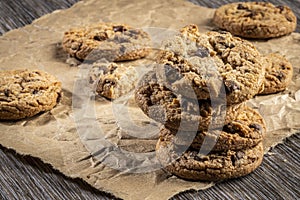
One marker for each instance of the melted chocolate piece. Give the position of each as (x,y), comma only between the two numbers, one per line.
(231,86)
(281,8)
(6,92)
(122,49)
(119,28)
(35,91)
(236,157)
(256,127)
(229,128)
(280,76)
(202,52)
(289,18)
(171,74)
(241,7)
(99,37)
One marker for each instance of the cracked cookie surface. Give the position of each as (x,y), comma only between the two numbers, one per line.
(279,72)
(111,41)
(255,19)
(211,59)
(112,80)
(25,93)
(215,166)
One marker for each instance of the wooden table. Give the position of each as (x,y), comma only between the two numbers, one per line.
(24,177)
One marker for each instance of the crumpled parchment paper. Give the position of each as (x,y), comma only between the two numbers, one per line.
(59,137)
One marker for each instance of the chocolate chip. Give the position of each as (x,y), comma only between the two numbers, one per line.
(133,32)
(221,38)
(280,76)
(237,157)
(251,13)
(282,66)
(35,91)
(202,52)
(231,86)
(281,8)
(6,92)
(122,49)
(112,68)
(119,28)
(247,70)
(241,7)
(229,128)
(99,37)
(233,159)
(171,74)
(229,45)
(289,18)
(256,127)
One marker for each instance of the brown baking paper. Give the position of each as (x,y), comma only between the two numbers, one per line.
(59,138)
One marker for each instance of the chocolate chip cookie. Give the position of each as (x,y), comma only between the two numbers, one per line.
(112,41)
(255,19)
(215,166)
(112,80)
(243,128)
(207,59)
(279,72)
(176,111)
(25,93)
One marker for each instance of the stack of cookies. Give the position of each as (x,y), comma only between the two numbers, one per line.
(197,91)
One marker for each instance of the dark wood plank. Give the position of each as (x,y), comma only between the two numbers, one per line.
(24,177)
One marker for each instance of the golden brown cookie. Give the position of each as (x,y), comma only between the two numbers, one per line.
(110,41)
(207,59)
(175,111)
(25,93)
(279,73)
(112,80)
(255,19)
(215,166)
(243,128)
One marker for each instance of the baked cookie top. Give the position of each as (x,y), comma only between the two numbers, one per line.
(215,166)
(211,58)
(255,19)
(279,73)
(112,80)
(25,93)
(110,41)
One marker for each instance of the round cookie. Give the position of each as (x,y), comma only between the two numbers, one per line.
(214,166)
(112,80)
(206,59)
(25,93)
(111,41)
(175,111)
(279,72)
(255,19)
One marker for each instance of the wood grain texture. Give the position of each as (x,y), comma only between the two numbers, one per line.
(24,177)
